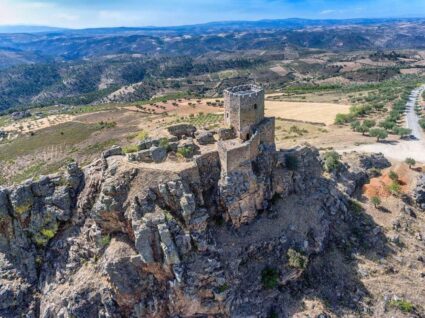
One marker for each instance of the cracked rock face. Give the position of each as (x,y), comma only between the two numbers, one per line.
(419,192)
(118,240)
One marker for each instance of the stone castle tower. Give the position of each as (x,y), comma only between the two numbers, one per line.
(243,109)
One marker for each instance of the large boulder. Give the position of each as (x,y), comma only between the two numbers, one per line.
(113,151)
(3,134)
(187,148)
(182,130)
(358,168)
(226,133)
(153,154)
(143,156)
(205,138)
(158,154)
(419,192)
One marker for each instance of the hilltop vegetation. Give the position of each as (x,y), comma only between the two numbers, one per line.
(124,65)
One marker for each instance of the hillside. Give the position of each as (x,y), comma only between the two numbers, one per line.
(86,66)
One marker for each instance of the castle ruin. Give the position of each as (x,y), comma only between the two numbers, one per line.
(244,113)
(244,108)
(236,164)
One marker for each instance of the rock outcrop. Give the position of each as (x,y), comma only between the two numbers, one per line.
(121,240)
(419,192)
(358,168)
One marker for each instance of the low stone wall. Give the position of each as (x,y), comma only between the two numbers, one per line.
(233,157)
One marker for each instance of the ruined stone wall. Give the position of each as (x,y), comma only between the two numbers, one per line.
(266,130)
(209,168)
(233,157)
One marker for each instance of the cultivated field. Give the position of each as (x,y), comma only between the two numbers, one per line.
(309,112)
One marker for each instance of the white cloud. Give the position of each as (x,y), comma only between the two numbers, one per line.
(326,12)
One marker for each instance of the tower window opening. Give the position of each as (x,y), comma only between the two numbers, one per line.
(255,106)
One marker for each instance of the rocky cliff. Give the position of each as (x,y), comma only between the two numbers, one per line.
(120,240)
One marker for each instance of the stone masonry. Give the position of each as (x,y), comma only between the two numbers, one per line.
(244,108)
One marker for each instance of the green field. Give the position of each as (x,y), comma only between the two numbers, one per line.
(68,134)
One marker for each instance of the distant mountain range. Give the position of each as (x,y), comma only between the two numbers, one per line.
(211,26)
(28,29)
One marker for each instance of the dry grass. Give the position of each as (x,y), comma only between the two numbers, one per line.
(310,112)
(32,125)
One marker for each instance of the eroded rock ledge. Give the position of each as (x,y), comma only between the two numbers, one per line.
(123,239)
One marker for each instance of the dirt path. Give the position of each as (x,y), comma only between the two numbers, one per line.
(402,149)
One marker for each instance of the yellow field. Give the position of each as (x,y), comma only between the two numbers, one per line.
(310,112)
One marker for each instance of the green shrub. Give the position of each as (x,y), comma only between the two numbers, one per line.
(402,305)
(20,209)
(130,149)
(393,175)
(184,152)
(106,124)
(394,188)
(376,201)
(142,135)
(164,143)
(270,278)
(48,233)
(331,161)
(341,119)
(296,259)
(105,240)
(296,130)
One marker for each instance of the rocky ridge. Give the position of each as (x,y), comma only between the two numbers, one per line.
(121,240)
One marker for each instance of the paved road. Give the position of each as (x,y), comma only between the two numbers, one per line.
(411,116)
(403,148)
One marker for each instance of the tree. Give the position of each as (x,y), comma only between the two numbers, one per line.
(379,133)
(369,123)
(387,124)
(402,132)
(363,129)
(410,162)
(355,125)
(376,201)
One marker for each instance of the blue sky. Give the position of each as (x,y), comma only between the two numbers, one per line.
(96,13)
